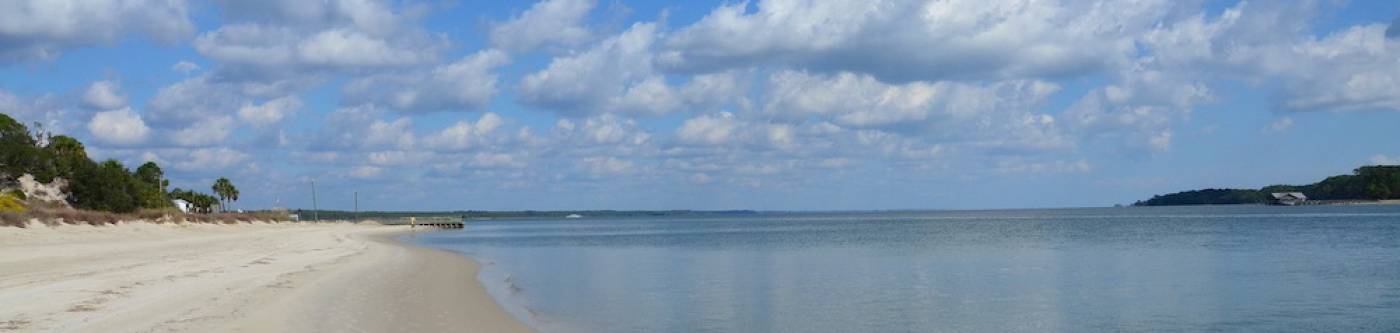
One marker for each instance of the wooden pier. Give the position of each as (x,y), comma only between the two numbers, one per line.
(429,222)
(443,225)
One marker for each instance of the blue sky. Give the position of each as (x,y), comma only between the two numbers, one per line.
(782,104)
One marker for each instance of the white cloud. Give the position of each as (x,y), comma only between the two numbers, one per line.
(1282,124)
(1380,159)
(466,135)
(104,95)
(280,40)
(207,159)
(398,157)
(1355,68)
(725,129)
(998,114)
(605,129)
(918,40)
(185,67)
(394,134)
(204,132)
(365,172)
(344,48)
(270,112)
(44,29)
(601,166)
(202,97)
(497,160)
(545,23)
(586,80)
(374,16)
(616,76)
(465,85)
(1043,167)
(120,127)
(1139,111)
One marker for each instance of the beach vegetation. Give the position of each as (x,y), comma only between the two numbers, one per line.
(106,186)
(12,203)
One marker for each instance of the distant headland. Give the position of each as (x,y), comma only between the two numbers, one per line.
(1376,183)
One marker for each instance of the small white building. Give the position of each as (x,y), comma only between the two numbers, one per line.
(1289,198)
(182,205)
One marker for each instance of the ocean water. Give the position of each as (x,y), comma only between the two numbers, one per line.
(1221,268)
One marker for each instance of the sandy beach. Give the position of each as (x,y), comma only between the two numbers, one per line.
(258,277)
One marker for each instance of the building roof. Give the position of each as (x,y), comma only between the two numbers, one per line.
(1290,195)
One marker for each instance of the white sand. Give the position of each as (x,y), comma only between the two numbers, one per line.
(257,277)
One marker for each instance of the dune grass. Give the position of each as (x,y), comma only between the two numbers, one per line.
(56,216)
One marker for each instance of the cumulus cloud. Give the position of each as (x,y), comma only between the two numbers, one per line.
(259,50)
(588,79)
(603,166)
(605,129)
(465,85)
(204,132)
(1139,111)
(276,39)
(725,129)
(119,127)
(616,76)
(1043,167)
(364,127)
(467,134)
(917,40)
(44,29)
(207,159)
(185,67)
(1000,114)
(103,95)
(1356,68)
(202,97)
(1280,125)
(1380,159)
(365,172)
(269,113)
(545,23)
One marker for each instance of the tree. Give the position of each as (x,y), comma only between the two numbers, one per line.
(107,186)
(152,174)
(1379,191)
(19,152)
(226,191)
(67,154)
(12,131)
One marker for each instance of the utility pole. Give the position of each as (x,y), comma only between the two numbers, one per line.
(357,206)
(315,212)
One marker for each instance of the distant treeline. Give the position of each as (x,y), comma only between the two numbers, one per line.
(1380,182)
(307,214)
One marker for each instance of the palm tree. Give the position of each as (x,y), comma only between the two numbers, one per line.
(226,191)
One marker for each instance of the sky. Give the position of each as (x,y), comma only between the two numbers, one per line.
(765,104)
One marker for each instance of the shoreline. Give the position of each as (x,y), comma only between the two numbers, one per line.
(250,277)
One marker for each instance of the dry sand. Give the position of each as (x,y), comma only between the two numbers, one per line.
(258,277)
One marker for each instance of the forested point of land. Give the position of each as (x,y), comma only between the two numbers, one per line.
(1376,182)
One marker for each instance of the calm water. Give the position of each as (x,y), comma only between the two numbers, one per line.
(1248,268)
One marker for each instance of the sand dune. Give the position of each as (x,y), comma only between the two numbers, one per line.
(142,277)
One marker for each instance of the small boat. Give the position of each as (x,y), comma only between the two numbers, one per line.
(574,216)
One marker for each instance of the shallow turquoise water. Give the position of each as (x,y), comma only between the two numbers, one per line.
(1241,268)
